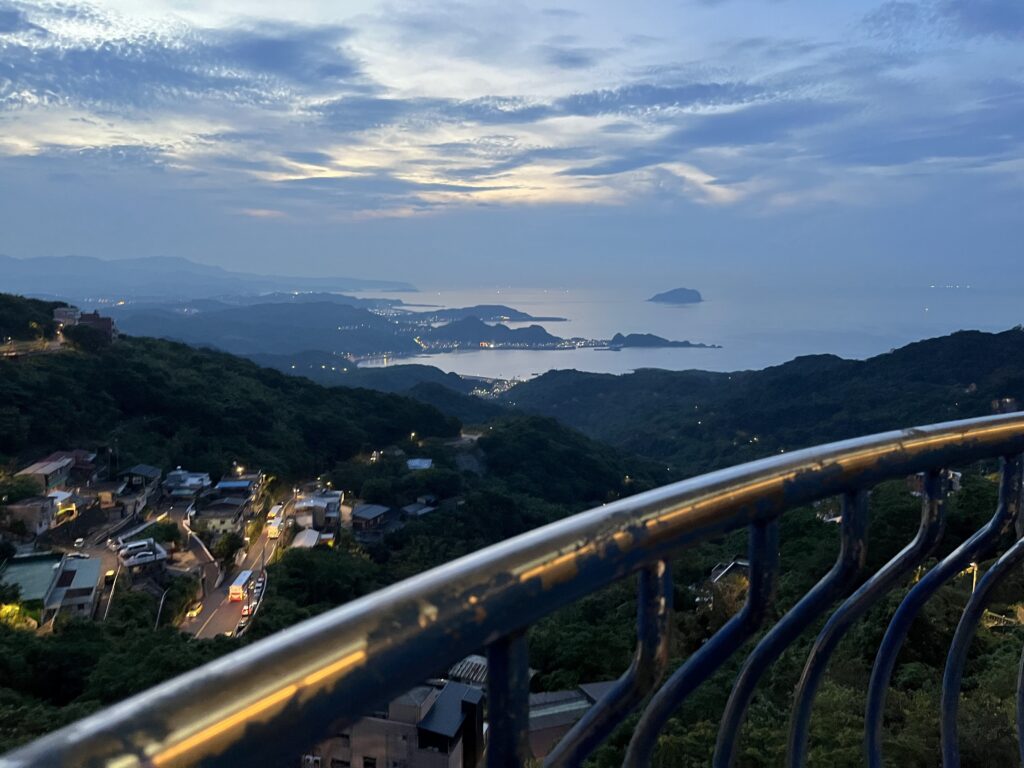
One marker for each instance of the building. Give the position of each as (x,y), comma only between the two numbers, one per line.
(306,539)
(102,325)
(239,484)
(219,514)
(38,513)
(107,492)
(32,575)
(370,521)
(324,507)
(426,727)
(85,467)
(142,478)
(180,484)
(74,588)
(66,315)
(49,474)
(418,509)
(552,714)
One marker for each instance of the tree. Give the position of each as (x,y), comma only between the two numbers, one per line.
(227,547)
(16,488)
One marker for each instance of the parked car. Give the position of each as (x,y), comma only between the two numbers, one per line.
(79,543)
(241,625)
(140,559)
(194,610)
(108,577)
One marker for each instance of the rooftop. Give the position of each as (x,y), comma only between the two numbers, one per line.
(74,573)
(32,574)
(369,511)
(306,539)
(447,714)
(47,467)
(146,470)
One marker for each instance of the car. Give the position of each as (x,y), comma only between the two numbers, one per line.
(79,543)
(79,555)
(259,582)
(108,577)
(114,544)
(242,624)
(194,610)
(140,559)
(246,609)
(229,633)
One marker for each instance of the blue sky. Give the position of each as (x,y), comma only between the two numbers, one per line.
(520,142)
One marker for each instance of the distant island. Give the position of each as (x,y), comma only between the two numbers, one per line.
(678,296)
(649,340)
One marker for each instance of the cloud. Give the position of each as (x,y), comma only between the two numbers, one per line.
(569,57)
(13,19)
(902,19)
(135,69)
(995,18)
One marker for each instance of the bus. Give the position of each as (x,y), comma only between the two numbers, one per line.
(240,587)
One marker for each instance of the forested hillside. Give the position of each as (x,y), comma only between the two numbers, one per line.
(698,420)
(167,404)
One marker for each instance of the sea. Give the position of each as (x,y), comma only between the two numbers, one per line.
(755,328)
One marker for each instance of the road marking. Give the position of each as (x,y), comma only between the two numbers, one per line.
(206,623)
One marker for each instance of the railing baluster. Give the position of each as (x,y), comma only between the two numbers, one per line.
(899,626)
(508,701)
(853,609)
(763,551)
(1020,708)
(852,552)
(654,607)
(973,611)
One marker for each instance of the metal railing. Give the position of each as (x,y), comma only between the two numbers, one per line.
(266,703)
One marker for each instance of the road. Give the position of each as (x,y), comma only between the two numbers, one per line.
(219,615)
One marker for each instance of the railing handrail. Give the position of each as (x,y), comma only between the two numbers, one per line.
(338,665)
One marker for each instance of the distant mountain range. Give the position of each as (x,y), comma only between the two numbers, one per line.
(84,279)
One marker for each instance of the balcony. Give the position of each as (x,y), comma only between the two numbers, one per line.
(265,704)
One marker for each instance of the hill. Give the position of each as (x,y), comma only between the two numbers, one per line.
(166,404)
(77,277)
(699,420)
(26,319)
(275,328)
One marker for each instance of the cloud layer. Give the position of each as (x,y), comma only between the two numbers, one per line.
(398,110)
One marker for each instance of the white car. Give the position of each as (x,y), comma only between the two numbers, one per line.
(79,543)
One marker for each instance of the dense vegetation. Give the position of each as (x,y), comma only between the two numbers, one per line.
(169,404)
(54,679)
(26,319)
(698,420)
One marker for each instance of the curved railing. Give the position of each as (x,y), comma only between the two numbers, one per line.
(266,703)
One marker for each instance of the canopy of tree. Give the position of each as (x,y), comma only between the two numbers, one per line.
(168,404)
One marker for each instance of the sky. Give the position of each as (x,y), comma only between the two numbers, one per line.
(527,143)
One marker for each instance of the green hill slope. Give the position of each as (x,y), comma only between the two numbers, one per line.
(165,403)
(698,420)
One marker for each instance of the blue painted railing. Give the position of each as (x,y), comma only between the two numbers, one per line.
(265,704)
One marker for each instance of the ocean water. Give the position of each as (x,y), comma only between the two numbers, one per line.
(755,328)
